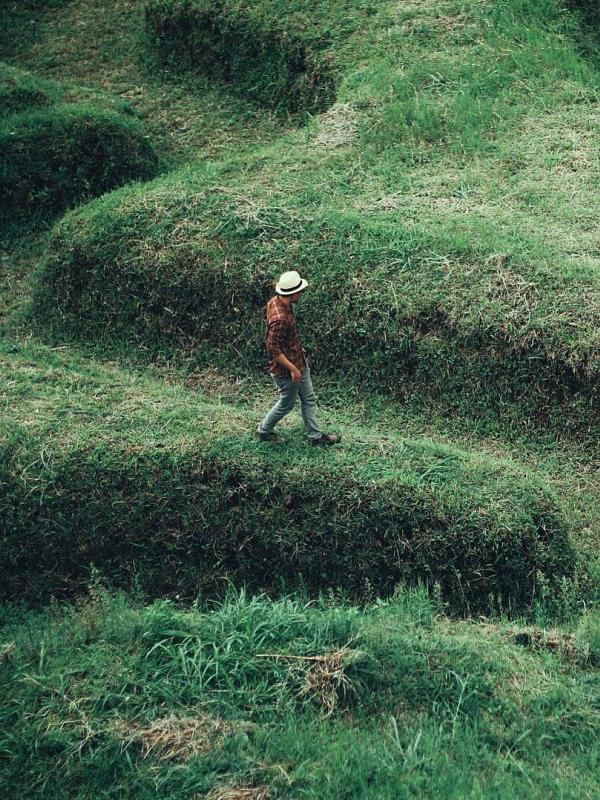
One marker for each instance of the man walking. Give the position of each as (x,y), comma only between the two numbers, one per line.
(288,365)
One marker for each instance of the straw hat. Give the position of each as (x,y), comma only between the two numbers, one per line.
(290,283)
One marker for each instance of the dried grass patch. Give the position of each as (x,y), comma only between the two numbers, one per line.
(563,644)
(239,793)
(175,738)
(338,126)
(325,680)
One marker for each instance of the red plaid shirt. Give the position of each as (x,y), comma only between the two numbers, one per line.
(282,337)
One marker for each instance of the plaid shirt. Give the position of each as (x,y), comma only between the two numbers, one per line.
(282,337)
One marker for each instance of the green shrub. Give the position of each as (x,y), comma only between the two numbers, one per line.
(257,52)
(183,496)
(52,158)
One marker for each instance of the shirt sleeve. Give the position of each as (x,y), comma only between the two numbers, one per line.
(275,337)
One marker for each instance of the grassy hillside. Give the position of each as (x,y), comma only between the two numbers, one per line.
(452,309)
(256,699)
(275,54)
(55,153)
(431,168)
(421,301)
(100,47)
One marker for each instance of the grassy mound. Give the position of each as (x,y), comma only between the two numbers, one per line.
(189,266)
(150,482)
(258,699)
(276,54)
(55,153)
(22,91)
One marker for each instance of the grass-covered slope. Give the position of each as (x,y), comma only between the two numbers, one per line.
(55,153)
(438,264)
(276,54)
(98,468)
(270,700)
(390,305)
(22,91)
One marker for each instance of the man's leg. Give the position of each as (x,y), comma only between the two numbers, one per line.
(288,392)
(308,400)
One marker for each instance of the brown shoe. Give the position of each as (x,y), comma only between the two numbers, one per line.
(269,437)
(327,439)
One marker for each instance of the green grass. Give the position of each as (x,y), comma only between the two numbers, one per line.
(441,197)
(114,699)
(414,300)
(21,91)
(54,154)
(100,47)
(415,314)
(98,468)
(274,59)
(484,318)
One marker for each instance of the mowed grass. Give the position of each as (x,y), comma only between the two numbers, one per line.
(254,698)
(173,490)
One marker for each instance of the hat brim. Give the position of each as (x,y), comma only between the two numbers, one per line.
(294,290)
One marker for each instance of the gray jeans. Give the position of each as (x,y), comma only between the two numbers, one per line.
(288,392)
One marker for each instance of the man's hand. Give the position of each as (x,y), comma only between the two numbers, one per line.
(295,373)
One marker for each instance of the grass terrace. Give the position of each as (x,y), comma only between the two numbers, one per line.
(54,153)
(195,500)
(188,612)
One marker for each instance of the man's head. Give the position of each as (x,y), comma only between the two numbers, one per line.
(290,286)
